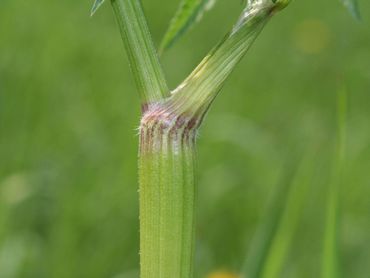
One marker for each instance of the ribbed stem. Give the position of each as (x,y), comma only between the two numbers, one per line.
(142,54)
(168,131)
(167,194)
(200,88)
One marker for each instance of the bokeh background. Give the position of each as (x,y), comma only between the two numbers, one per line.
(69,113)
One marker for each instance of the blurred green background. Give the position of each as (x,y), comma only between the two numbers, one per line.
(69,113)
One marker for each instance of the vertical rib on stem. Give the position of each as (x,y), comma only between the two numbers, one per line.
(167,194)
(142,54)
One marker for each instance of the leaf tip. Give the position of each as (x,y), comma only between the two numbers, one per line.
(281,4)
(352,7)
(96,6)
(189,13)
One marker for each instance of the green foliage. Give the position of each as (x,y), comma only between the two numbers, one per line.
(188,13)
(330,259)
(273,238)
(352,6)
(96,6)
(290,218)
(281,3)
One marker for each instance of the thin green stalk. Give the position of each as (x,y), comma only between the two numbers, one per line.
(266,257)
(330,266)
(197,91)
(142,54)
(290,219)
(264,235)
(203,84)
(330,252)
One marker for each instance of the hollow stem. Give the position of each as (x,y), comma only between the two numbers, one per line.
(167,194)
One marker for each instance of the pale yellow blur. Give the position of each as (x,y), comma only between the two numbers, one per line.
(312,36)
(14,188)
(222,274)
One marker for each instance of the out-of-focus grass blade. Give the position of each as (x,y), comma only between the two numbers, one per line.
(265,233)
(96,6)
(330,266)
(329,257)
(352,6)
(290,218)
(269,247)
(188,13)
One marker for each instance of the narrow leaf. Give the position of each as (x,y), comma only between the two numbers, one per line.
(352,6)
(290,218)
(330,260)
(263,238)
(96,6)
(271,243)
(188,13)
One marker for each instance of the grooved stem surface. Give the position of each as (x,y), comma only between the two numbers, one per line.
(167,194)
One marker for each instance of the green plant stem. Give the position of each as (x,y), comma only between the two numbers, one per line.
(199,89)
(330,258)
(203,84)
(167,195)
(142,54)
(168,132)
